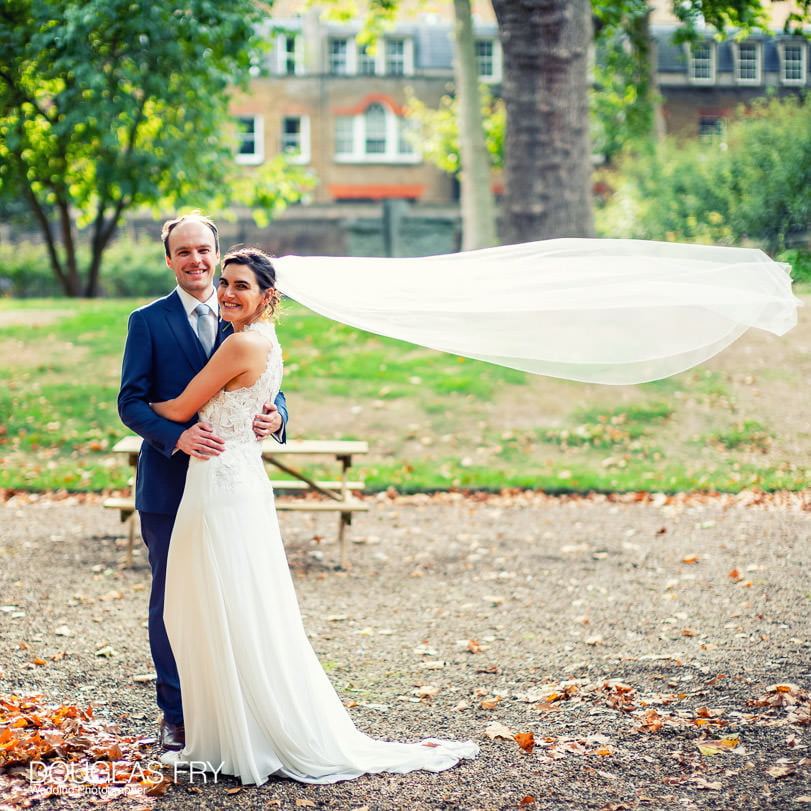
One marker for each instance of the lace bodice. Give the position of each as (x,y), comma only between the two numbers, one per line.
(231,412)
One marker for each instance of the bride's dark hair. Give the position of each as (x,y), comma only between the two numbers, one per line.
(264,272)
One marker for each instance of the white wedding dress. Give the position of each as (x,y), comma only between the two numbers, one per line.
(255,697)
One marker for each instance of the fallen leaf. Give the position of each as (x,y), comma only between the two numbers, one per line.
(718,747)
(651,721)
(701,783)
(784,770)
(160,788)
(497,730)
(526,740)
(302,803)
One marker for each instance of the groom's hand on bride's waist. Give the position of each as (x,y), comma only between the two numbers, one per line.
(200,441)
(267,423)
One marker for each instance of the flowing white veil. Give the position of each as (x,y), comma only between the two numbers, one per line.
(597,310)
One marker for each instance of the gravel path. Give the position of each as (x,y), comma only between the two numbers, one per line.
(635,639)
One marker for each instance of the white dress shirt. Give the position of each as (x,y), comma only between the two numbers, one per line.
(190,302)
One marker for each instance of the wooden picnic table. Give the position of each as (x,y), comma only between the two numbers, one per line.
(338,494)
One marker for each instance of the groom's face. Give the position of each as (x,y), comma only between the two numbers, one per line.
(193,257)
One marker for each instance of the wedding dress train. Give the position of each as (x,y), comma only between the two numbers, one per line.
(256,700)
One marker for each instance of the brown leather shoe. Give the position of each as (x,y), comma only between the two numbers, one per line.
(173,736)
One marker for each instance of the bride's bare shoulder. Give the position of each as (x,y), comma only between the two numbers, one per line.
(252,341)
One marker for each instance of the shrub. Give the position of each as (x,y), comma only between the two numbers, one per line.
(753,187)
(800,262)
(131,268)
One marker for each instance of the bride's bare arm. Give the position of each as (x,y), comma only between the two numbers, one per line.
(231,359)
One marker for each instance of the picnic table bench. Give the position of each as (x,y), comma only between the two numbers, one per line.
(338,494)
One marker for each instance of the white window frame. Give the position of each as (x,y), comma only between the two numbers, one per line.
(692,62)
(281,55)
(405,59)
(496,58)
(303,154)
(350,56)
(757,49)
(257,156)
(380,58)
(803,50)
(395,149)
(364,59)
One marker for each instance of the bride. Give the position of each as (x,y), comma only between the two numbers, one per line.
(256,701)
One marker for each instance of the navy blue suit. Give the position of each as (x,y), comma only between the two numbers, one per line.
(162,354)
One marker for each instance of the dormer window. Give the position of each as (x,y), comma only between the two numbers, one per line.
(748,63)
(793,63)
(702,62)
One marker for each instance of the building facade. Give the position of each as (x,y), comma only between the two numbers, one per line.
(705,83)
(337,106)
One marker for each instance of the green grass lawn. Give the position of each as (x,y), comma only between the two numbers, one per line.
(433,421)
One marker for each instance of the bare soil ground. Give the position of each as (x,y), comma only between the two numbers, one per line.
(638,639)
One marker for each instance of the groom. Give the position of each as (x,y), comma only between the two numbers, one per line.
(168,343)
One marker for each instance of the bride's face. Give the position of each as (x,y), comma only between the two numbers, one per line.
(241,300)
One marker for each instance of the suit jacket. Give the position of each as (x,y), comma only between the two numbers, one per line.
(162,354)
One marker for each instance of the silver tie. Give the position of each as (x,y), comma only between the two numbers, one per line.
(206,327)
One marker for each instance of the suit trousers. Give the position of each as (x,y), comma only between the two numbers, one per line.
(156,530)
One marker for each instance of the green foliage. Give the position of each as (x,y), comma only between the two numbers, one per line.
(621,95)
(800,262)
(129,268)
(721,14)
(742,15)
(754,186)
(378,16)
(436,131)
(110,105)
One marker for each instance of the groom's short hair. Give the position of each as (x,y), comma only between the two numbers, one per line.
(197,216)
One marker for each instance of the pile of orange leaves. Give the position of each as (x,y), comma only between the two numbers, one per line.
(64,750)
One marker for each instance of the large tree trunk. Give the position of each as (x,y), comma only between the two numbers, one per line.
(478,206)
(547,168)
